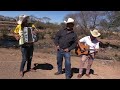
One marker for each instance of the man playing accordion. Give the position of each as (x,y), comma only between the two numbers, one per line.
(25,33)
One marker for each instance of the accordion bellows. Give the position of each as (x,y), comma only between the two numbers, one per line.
(26,35)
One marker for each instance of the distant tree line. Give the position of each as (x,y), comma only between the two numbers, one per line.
(106,21)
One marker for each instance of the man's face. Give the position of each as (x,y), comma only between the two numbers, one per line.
(70,25)
(26,20)
(93,38)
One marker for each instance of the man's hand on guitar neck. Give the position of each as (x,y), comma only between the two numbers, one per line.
(102,50)
(17,36)
(96,50)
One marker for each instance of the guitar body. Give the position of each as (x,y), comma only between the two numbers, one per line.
(78,49)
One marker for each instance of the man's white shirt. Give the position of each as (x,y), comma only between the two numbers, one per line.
(92,44)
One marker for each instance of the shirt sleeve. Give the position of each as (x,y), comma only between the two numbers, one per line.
(33,26)
(74,43)
(97,46)
(87,41)
(57,37)
(18,27)
(82,39)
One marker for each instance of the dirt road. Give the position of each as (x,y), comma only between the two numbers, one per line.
(10,60)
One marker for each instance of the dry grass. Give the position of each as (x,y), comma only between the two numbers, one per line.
(113,42)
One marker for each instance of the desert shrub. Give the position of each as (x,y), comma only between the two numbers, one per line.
(41,35)
(109,35)
(117,57)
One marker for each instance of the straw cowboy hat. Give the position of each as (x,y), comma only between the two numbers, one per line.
(22,18)
(95,33)
(70,20)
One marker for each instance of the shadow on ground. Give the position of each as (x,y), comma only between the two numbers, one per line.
(76,70)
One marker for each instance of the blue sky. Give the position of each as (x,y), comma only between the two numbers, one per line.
(55,16)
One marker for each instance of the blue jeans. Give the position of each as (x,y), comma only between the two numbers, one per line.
(27,54)
(66,55)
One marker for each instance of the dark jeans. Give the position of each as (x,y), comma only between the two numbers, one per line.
(27,54)
(66,55)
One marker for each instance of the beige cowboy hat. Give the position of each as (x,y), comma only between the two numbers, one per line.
(22,18)
(70,20)
(95,33)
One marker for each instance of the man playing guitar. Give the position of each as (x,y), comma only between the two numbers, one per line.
(92,46)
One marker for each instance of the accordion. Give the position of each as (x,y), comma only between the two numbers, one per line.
(27,36)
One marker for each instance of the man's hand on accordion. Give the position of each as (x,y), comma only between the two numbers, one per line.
(34,32)
(17,36)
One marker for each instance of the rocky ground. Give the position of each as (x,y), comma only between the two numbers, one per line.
(10,60)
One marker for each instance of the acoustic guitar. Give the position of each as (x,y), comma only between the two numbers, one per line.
(85,48)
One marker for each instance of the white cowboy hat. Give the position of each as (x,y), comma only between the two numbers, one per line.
(22,18)
(95,33)
(70,20)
